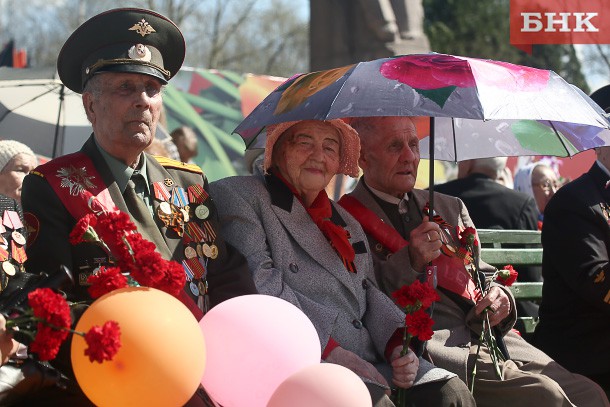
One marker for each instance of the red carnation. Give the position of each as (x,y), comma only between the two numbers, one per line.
(103,341)
(47,341)
(84,231)
(172,279)
(53,314)
(468,237)
(404,298)
(107,279)
(416,295)
(50,307)
(419,324)
(507,276)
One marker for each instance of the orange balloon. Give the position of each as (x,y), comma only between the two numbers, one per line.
(162,355)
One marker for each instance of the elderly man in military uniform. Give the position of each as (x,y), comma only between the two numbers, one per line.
(119,60)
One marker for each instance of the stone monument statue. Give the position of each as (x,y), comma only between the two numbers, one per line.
(343,32)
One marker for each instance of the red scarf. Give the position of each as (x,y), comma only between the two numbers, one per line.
(450,269)
(321,212)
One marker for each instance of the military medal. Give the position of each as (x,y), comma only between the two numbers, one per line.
(8,268)
(166,208)
(199,251)
(207,251)
(194,288)
(18,238)
(202,212)
(189,252)
(213,251)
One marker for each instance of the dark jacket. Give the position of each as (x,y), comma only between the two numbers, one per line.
(492,205)
(575,311)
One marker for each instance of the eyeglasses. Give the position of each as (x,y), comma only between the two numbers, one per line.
(548,185)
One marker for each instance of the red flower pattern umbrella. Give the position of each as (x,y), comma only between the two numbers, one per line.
(478,108)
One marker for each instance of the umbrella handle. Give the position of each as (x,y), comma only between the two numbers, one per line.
(431,154)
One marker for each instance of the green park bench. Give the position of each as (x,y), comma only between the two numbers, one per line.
(519,248)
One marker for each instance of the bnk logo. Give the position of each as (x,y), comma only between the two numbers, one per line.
(558,22)
(563,22)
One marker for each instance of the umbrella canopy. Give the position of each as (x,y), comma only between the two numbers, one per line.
(483,108)
(41,113)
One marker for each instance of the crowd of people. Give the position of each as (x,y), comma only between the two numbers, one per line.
(277,232)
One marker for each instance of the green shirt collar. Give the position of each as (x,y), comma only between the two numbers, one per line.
(120,171)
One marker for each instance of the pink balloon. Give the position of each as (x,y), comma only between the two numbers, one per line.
(253,343)
(322,385)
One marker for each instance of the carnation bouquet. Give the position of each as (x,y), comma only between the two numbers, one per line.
(136,261)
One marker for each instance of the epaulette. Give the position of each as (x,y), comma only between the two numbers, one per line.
(40,174)
(178,165)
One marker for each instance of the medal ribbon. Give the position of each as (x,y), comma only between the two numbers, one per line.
(187,270)
(197,194)
(18,253)
(161,191)
(194,231)
(196,266)
(210,231)
(179,197)
(3,254)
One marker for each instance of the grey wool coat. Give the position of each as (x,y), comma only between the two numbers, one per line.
(290,258)
(453,325)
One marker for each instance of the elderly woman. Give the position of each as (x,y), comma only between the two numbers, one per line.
(539,181)
(303,248)
(16,161)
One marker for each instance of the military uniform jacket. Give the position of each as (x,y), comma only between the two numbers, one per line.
(574,323)
(453,327)
(290,258)
(228,275)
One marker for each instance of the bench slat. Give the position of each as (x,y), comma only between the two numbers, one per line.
(509,236)
(516,257)
(527,291)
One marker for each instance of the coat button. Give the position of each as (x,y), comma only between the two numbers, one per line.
(365,284)
(357,323)
(293,267)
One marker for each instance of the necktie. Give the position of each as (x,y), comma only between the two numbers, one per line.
(140,213)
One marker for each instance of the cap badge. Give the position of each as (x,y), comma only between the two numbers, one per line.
(140,51)
(142,28)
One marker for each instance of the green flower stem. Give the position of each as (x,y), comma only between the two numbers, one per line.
(486,337)
(401,394)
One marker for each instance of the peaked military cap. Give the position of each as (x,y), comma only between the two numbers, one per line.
(121,40)
(602,97)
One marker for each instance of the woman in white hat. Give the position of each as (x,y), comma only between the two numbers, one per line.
(16,161)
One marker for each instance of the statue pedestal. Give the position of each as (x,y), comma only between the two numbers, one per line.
(410,46)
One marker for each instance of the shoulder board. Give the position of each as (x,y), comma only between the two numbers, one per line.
(34,172)
(169,163)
